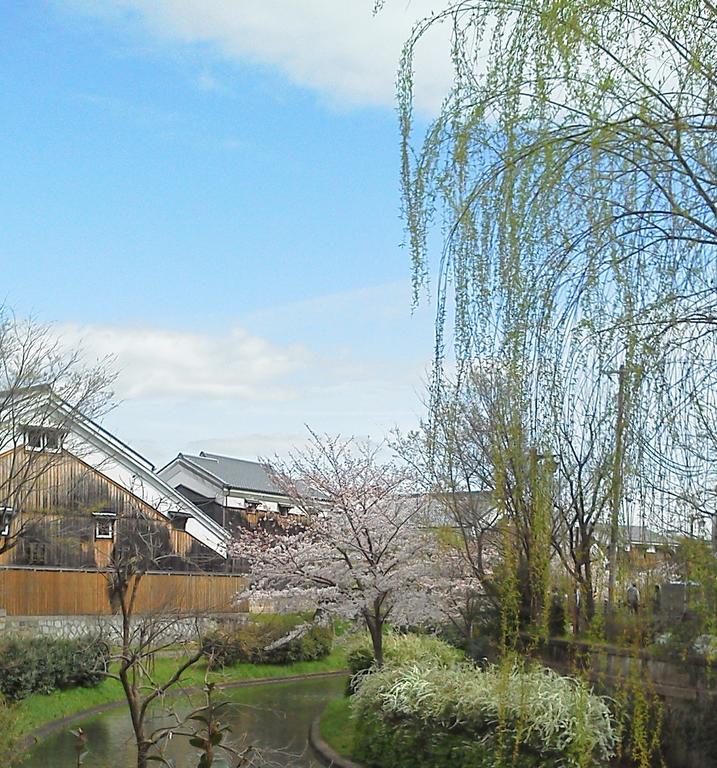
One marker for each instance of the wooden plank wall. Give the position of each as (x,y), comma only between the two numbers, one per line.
(45,592)
(60,486)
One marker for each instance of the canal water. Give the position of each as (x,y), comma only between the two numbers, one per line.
(274,717)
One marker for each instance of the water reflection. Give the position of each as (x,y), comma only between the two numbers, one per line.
(273,717)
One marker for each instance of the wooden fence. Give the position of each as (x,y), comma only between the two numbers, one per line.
(58,592)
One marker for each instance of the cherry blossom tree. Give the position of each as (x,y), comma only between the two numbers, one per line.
(363,550)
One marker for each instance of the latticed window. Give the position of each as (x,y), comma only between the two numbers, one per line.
(6,514)
(36,553)
(43,439)
(104,525)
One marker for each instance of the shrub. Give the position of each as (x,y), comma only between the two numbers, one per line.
(89,663)
(360,660)
(433,715)
(10,751)
(400,650)
(317,643)
(477,647)
(405,649)
(382,744)
(249,643)
(219,648)
(42,665)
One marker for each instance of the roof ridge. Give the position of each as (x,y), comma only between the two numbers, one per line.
(207,455)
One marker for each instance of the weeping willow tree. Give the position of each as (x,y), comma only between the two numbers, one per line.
(573,164)
(573,171)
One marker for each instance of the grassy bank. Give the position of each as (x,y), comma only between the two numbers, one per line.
(39,709)
(337,728)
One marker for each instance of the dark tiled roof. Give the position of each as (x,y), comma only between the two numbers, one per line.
(640,534)
(236,473)
(635,534)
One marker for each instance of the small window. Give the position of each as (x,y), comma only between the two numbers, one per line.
(36,553)
(6,514)
(38,439)
(53,440)
(179,521)
(104,525)
(33,439)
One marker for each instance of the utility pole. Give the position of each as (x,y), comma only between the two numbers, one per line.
(616,491)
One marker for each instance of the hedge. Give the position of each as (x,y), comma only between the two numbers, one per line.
(248,644)
(398,650)
(431,713)
(382,744)
(42,665)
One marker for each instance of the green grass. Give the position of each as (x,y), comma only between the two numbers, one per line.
(285,621)
(39,709)
(337,728)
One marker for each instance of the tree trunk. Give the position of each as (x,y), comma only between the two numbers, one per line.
(589,594)
(375,628)
(135,712)
(615,499)
(142,754)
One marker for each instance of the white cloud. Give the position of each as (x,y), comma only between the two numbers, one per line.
(243,394)
(163,363)
(206,81)
(337,48)
(350,363)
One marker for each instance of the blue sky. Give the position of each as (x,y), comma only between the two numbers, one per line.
(209,191)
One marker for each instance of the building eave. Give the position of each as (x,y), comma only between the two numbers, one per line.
(143,470)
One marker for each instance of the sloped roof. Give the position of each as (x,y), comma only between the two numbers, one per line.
(239,474)
(123,465)
(437,505)
(635,534)
(640,534)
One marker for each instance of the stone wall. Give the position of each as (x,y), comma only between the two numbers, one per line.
(687,689)
(688,679)
(69,627)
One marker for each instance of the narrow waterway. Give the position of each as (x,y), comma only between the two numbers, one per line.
(274,717)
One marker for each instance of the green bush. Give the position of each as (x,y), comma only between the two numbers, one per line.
(89,663)
(248,643)
(400,650)
(360,659)
(384,744)
(438,714)
(219,648)
(42,665)
(479,647)
(317,643)
(10,751)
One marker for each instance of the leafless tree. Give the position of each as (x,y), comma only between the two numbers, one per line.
(447,454)
(583,455)
(492,471)
(141,634)
(44,386)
